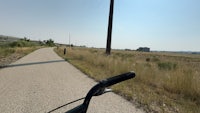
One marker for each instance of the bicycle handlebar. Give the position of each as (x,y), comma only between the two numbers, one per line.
(116,79)
(99,88)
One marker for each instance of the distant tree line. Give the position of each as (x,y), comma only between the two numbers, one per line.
(49,42)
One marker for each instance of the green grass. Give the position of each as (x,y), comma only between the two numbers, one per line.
(164,83)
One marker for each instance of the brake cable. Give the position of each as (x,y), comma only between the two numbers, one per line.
(66,104)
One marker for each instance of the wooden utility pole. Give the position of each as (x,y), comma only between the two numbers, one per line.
(109,35)
(69,42)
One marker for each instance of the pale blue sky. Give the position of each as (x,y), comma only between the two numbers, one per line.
(171,25)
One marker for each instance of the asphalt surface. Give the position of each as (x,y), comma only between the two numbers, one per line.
(42,81)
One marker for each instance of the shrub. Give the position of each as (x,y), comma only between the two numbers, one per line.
(147,59)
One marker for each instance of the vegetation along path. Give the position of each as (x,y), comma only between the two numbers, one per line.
(42,81)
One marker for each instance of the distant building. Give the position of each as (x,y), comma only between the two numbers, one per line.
(144,49)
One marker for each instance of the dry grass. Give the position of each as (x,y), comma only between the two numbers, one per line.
(8,54)
(26,50)
(164,82)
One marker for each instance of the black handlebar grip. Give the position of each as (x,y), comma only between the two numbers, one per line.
(116,79)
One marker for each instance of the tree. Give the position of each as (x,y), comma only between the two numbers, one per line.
(50,42)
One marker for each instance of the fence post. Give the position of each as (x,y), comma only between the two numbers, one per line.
(65,51)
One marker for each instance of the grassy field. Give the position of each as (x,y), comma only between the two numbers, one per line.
(12,48)
(9,55)
(165,82)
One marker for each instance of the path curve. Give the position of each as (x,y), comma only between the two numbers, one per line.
(42,81)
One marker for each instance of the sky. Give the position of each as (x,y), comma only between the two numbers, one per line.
(163,25)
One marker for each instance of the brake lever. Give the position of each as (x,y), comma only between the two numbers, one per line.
(102,91)
(107,90)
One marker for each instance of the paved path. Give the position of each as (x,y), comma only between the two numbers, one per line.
(42,81)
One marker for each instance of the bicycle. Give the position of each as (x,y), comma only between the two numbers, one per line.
(97,90)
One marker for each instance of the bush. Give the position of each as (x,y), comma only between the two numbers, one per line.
(147,59)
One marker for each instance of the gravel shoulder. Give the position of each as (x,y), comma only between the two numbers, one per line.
(42,81)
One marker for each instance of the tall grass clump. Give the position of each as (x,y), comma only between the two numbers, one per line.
(167,65)
(6,51)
